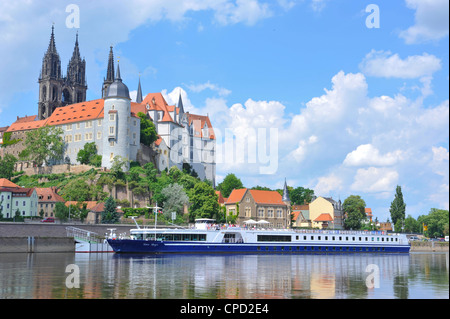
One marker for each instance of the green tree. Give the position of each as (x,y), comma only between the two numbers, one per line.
(148,130)
(87,154)
(229,183)
(43,145)
(109,214)
(61,211)
(436,221)
(300,195)
(204,202)
(398,208)
(175,200)
(118,165)
(7,163)
(354,207)
(411,225)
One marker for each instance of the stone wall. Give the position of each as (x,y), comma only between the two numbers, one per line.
(36,244)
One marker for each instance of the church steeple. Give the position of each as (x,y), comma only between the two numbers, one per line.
(181,108)
(139,98)
(285,193)
(75,87)
(109,72)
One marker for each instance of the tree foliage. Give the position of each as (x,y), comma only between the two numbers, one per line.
(397,210)
(354,207)
(148,130)
(109,214)
(301,196)
(7,163)
(175,200)
(436,221)
(204,202)
(88,155)
(229,183)
(43,145)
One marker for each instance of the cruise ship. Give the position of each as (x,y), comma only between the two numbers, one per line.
(207,237)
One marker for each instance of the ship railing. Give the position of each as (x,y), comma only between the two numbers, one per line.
(83,235)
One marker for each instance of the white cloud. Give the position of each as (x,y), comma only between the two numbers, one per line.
(388,65)
(208,85)
(431,21)
(375,180)
(440,160)
(328,184)
(369,155)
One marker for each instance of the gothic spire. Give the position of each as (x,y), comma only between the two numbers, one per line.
(52,45)
(76,50)
(110,71)
(180,104)
(285,193)
(139,92)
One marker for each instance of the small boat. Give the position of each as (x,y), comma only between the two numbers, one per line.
(208,237)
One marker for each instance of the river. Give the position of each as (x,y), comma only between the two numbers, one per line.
(309,276)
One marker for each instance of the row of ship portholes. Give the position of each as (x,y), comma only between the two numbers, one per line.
(319,249)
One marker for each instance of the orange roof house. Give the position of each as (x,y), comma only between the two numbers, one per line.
(6,183)
(258,205)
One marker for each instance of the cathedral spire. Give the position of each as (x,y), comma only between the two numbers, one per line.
(52,45)
(76,50)
(110,71)
(139,92)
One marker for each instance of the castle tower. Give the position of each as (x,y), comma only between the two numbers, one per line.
(117,108)
(74,90)
(50,81)
(109,73)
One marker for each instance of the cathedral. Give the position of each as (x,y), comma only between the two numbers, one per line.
(112,121)
(56,90)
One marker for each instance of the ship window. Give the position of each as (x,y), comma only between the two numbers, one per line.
(326,237)
(274,238)
(304,237)
(334,238)
(318,238)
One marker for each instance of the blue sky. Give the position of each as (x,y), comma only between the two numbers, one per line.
(357,110)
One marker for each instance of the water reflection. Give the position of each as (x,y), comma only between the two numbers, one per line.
(225,276)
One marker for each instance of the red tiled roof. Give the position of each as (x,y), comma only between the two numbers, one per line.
(48,194)
(236,196)
(6,183)
(323,218)
(267,197)
(260,197)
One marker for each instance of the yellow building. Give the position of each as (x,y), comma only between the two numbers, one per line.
(325,213)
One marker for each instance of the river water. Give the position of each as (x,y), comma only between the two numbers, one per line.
(313,276)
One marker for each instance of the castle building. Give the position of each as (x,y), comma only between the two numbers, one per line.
(112,122)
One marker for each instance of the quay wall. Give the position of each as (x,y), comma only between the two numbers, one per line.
(429,246)
(55,230)
(36,245)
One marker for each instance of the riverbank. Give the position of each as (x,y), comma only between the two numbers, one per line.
(429,246)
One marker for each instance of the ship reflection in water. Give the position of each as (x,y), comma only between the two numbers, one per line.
(366,276)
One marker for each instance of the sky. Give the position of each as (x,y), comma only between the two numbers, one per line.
(343,97)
